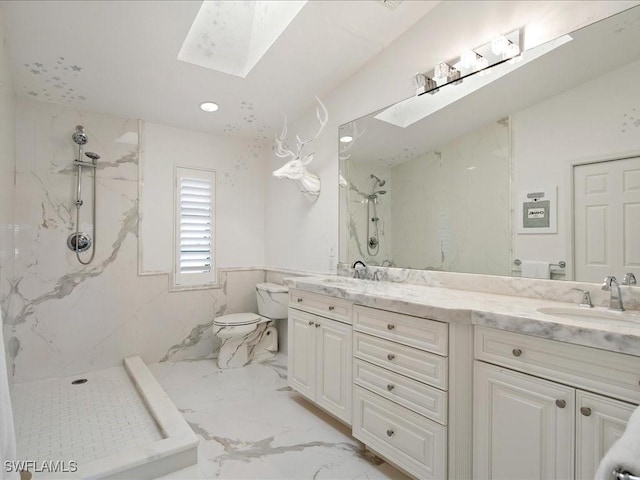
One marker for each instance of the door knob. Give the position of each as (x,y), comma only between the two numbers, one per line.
(561,403)
(516,352)
(586,411)
(391,356)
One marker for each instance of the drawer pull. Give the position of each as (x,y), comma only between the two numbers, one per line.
(299,300)
(561,403)
(390,326)
(317,325)
(390,387)
(390,433)
(390,356)
(311,322)
(331,308)
(516,352)
(586,411)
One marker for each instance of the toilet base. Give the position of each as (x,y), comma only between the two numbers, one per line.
(258,345)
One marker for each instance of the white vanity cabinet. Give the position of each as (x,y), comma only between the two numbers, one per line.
(545,409)
(320,358)
(400,389)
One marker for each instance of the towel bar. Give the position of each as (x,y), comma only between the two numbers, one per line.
(620,475)
(560,264)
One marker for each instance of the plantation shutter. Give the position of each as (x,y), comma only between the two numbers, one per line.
(195,227)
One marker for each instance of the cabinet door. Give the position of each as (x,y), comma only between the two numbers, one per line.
(600,422)
(301,355)
(334,366)
(523,426)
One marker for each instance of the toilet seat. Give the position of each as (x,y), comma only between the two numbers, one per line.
(237,319)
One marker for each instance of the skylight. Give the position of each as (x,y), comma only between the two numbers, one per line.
(232,37)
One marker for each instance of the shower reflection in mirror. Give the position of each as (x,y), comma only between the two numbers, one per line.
(80,241)
(373,221)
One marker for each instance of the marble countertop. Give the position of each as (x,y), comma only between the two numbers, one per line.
(515,314)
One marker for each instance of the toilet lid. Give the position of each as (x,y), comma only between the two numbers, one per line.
(237,319)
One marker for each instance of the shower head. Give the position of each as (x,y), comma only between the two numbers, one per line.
(378,181)
(93,156)
(79,136)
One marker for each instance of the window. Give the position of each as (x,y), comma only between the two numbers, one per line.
(194,231)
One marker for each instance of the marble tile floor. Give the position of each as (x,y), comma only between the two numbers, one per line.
(251,425)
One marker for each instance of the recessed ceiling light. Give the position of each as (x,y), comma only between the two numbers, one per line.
(346,139)
(209,106)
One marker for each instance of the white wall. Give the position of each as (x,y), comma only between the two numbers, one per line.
(443,198)
(301,235)
(598,120)
(241,170)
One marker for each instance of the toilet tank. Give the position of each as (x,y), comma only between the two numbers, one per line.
(272,300)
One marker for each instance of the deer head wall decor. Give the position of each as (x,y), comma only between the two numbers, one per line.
(296,168)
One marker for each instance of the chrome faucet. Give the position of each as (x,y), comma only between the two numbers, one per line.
(629,279)
(585,301)
(611,284)
(356,270)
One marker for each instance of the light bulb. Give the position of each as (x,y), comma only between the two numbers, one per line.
(512,50)
(499,45)
(481,64)
(442,71)
(469,59)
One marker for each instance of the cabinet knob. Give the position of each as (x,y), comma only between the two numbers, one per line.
(516,352)
(561,403)
(317,325)
(311,322)
(391,356)
(390,326)
(390,433)
(331,308)
(390,387)
(299,300)
(586,411)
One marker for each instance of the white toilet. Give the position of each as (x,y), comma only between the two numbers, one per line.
(248,337)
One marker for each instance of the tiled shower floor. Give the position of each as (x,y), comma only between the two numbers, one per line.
(252,426)
(58,421)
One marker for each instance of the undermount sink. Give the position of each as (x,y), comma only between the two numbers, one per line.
(342,281)
(575,313)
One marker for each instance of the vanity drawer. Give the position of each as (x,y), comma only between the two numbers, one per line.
(421,398)
(422,366)
(610,373)
(416,332)
(405,438)
(324,305)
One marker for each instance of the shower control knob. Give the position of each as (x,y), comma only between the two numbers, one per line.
(561,403)
(586,411)
(390,326)
(391,356)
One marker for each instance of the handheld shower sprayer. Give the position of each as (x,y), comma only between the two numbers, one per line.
(80,241)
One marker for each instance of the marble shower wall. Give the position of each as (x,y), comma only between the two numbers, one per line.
(63,318)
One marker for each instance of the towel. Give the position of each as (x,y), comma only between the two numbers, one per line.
(535,269)
(7,432)
(624,454)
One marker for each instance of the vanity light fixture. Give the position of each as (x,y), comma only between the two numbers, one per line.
(346,139)
(209,107)
(424,84)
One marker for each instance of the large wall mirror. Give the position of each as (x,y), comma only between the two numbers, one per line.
(535,161)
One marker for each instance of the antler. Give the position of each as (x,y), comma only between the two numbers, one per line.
(280,151)
(323,123)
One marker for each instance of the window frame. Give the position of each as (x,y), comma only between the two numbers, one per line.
(199,280)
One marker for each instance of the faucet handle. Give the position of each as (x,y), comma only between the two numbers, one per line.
(629,279)
(585,301)
(608,282)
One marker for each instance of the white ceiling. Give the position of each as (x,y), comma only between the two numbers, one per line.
(120,57)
